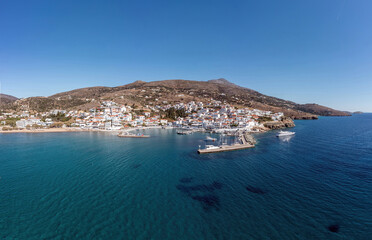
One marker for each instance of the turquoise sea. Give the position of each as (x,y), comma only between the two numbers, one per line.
(315,185)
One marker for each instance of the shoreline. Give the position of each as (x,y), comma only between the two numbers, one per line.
(50,130)
(61,130)
(64,130)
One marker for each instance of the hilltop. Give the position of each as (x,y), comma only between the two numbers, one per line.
(142,94)
(7,99)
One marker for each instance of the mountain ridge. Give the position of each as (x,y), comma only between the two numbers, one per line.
(152,93)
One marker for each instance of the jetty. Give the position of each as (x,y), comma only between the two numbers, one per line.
(245,140)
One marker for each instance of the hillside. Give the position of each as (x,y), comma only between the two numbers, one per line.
(321,110)
(141,93)
(6,99)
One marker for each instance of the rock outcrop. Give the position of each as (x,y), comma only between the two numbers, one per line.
(284,123)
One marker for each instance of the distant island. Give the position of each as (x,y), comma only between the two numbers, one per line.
(358,112)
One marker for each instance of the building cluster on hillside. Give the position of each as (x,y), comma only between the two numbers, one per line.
(112,116)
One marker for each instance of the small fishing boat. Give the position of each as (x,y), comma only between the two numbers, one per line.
(208,138)
(184,132)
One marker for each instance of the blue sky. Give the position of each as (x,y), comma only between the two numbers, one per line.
(305,51)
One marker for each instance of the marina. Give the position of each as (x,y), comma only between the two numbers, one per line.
(244,140)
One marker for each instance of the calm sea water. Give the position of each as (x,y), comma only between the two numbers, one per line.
(99,186)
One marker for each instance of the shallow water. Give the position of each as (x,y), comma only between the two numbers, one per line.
(99,186)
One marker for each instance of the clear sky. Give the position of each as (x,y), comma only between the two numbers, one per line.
(305,51)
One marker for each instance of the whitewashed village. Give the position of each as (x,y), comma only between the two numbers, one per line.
(110,116)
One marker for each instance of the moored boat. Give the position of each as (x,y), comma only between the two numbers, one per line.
(208,138)
(209,147)
(184,132)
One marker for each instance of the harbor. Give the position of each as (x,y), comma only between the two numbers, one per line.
(244,140)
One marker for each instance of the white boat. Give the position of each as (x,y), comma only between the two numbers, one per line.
(208,138)
(184,132)
(211,147)
(285,133)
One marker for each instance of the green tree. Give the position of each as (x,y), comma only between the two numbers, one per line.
(11,121)
(59,117)
(56,125)
(172,113)
(264,119)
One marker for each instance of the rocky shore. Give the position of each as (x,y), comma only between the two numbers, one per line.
(306,117)
(284,123)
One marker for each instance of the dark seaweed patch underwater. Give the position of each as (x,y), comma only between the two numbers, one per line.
(334,228)
(137,165)
(199,187)
(255,190)
(202,193)
(208,201)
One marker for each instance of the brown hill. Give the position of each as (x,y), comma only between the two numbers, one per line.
(174,91)
(7,99)
(321,110)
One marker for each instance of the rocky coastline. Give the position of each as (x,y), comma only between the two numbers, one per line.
(284,123)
